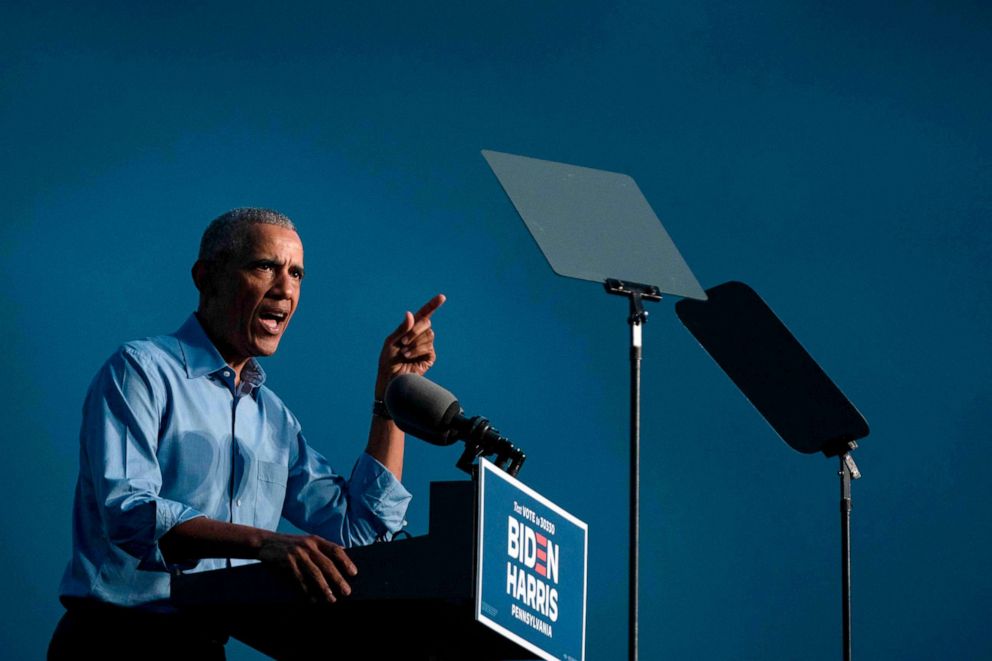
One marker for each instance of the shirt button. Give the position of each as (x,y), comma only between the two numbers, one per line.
(227,375)
(239,502)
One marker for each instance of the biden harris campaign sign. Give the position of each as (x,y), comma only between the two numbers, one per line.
(532,568)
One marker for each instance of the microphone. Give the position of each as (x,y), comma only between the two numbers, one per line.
(426,410)
(422,408)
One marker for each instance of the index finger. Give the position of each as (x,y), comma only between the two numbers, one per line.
(335,552)
(429,307)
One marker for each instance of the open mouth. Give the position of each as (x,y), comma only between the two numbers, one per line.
(272,321)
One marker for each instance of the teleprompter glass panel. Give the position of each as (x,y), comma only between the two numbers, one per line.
(592,224)
(773,370)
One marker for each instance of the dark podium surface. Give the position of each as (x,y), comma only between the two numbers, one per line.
(412,598)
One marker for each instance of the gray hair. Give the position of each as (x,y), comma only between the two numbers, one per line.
(227,235)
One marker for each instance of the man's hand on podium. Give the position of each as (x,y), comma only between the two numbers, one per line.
(318,565)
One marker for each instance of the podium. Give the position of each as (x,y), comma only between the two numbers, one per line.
(413,598)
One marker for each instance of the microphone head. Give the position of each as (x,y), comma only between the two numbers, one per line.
(422,408)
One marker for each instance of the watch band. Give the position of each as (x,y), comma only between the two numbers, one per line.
(379,410)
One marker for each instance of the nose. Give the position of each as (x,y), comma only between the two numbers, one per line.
(285,285)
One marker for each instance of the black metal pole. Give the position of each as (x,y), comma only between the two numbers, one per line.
(636,294)
(846,466)
(635,471)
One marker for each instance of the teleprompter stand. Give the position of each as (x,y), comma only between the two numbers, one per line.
(596,225)
(788,388)
(636,293)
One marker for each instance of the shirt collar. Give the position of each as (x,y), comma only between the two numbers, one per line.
(202,357)
(252,376)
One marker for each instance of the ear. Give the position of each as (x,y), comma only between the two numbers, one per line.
(201,275)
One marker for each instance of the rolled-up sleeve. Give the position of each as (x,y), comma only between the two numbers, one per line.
(121,420)
(356,511)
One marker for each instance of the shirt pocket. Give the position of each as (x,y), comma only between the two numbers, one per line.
(270,494)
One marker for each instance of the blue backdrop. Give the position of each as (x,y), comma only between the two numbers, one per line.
(837,159)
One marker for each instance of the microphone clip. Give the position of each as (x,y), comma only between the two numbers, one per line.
(482,440)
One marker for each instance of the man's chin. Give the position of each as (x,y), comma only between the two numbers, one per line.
(267,347)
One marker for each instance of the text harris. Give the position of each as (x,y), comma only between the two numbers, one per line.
(532,573)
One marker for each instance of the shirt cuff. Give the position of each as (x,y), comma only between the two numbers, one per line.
(380,492)
(168,515)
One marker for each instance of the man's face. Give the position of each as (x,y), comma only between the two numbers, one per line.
(254,295)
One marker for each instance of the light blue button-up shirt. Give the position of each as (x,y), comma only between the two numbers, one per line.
(167,437)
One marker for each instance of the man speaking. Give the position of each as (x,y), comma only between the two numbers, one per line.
(188,461)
